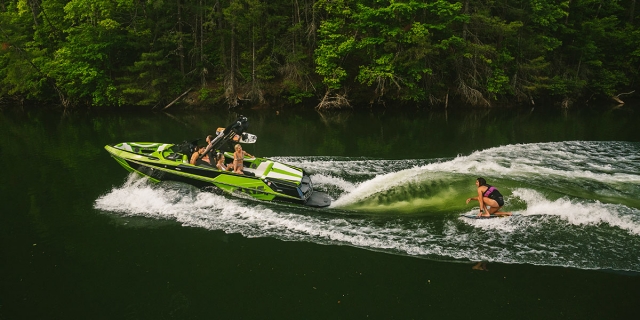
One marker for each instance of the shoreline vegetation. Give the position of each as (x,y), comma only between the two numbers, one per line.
(328,54)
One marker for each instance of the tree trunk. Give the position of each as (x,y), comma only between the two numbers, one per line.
(465,26)
(253,58)
(180,42)
(232,95)
(203,69)
(222,50)
(295,19)
(34,10)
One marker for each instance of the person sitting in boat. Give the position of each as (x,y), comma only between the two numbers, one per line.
(221,165)
(199,158)
(209,149)
(490,199)
(238,159)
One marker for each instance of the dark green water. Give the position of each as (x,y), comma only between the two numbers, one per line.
(83,239)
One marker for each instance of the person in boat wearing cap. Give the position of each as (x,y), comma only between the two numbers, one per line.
(200,158)
(490,199)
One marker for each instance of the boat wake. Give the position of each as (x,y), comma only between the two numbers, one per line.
(577,202)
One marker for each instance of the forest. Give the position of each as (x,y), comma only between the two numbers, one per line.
(327,53)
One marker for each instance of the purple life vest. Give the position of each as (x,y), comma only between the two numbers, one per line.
(489,191)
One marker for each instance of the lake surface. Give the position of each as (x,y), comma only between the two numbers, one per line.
(83,239)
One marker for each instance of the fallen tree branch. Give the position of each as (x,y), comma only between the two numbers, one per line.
(178,98)
(617,97)
(330,101)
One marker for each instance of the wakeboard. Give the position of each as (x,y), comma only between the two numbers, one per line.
(242,138)
(475,216)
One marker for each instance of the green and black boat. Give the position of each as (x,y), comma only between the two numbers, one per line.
(263,178)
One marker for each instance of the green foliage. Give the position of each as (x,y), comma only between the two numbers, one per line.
(498,82)
(78,67)
(151,81)
(121,52)
(334,46)
(17,75)
(392,48)
(547,12)
(294,94)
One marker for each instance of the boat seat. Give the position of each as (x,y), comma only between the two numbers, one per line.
(173,156)
(283,172)
(262,169)
(250,170)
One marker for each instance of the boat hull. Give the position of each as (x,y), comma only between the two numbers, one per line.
(264,179)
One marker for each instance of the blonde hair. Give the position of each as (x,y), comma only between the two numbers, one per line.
(238,146)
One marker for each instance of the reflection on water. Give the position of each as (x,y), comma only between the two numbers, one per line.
(482,266)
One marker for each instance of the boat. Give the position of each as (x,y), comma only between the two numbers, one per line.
(263,178)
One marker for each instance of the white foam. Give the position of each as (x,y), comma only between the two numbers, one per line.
(574,212)
(490,240)
(580,212)
(330,180)
(542,162)
(573,159)
(553,231)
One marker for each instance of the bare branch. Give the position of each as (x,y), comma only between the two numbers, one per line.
(330,101)
(617,97)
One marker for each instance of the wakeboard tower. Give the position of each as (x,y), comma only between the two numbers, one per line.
(263,178)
